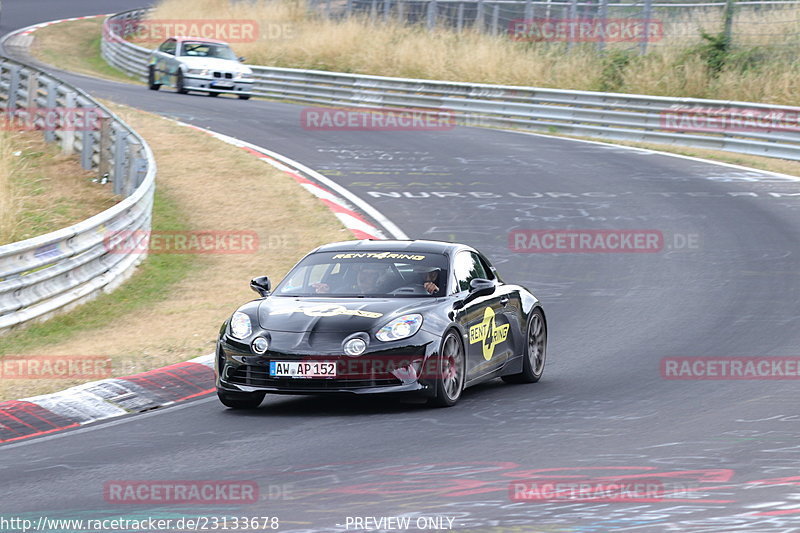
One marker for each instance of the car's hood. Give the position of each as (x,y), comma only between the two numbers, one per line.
(214,63)
(342,315)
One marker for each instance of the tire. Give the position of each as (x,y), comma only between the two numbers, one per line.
(179,83)
(244,97)
(450,371)
(535,351)
(213,94)
(242,400)
(151,79)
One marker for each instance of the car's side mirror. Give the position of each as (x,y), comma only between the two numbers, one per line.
(261,285)
(480,287)
(241,59)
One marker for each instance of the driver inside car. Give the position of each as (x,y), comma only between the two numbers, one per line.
(370,278)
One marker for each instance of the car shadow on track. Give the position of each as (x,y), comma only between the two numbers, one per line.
(351,405)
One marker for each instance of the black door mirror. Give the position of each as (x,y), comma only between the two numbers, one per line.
(480,287)
(261,285)
(241,59)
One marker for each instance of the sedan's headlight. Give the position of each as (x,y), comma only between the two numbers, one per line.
(400,328)
(240,325)
(241,75)
(198,71)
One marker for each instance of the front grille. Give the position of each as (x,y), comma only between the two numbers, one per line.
(227,75)
(258,376)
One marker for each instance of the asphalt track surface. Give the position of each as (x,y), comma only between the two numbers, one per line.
(725,284)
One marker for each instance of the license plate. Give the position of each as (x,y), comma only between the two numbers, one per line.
(302,369)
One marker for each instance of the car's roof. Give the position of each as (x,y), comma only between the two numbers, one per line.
(197,39)
(439,247)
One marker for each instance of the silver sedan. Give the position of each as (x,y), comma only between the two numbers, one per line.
(195,64)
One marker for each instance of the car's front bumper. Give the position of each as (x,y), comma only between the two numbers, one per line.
(386,371)
(218,85)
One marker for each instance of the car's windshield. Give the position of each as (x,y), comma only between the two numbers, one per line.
(200,49)
(367,274)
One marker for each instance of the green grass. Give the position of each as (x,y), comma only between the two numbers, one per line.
(150,284)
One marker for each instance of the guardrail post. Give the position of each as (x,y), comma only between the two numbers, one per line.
(573,15)
(460,18)
(647,13)
(33,91)
(529,11)
(431,14)
(401,11)
(479,15)
(387,9)
(728,27)
(103,155)
(68,130)
(602,17)
(13,86)
(133,149)
(373,10)
(119,161)
(51,98)
(348,10)
(495,18)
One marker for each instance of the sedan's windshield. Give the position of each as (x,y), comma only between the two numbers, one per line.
(200,49)
(367,274)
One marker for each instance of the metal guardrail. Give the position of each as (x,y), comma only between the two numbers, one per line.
(614,116)
(56,271)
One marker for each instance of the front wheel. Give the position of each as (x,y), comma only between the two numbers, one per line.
(244,97)
(179,84)
(535,351)
(151,79)
(241,400)
(450,372)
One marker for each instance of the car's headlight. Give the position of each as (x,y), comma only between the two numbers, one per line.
(240,75)
(240,325)
(198,71)
(400,328)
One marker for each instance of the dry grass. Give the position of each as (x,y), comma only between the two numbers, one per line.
(9,203)
(216,187)
(83,37)
(294,38)
(42,190)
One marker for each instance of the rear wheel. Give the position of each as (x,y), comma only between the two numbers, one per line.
(244,97)
(241,400)
(449,372)
(213,93)
(151,79)
(179,83)
(535,351)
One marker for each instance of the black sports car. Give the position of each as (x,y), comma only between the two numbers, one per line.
(415,317)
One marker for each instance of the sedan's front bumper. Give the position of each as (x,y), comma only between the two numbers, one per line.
(218,85)
(396,369)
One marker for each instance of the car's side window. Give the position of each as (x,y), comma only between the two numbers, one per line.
(168,47)
(467,266)
(487,268)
